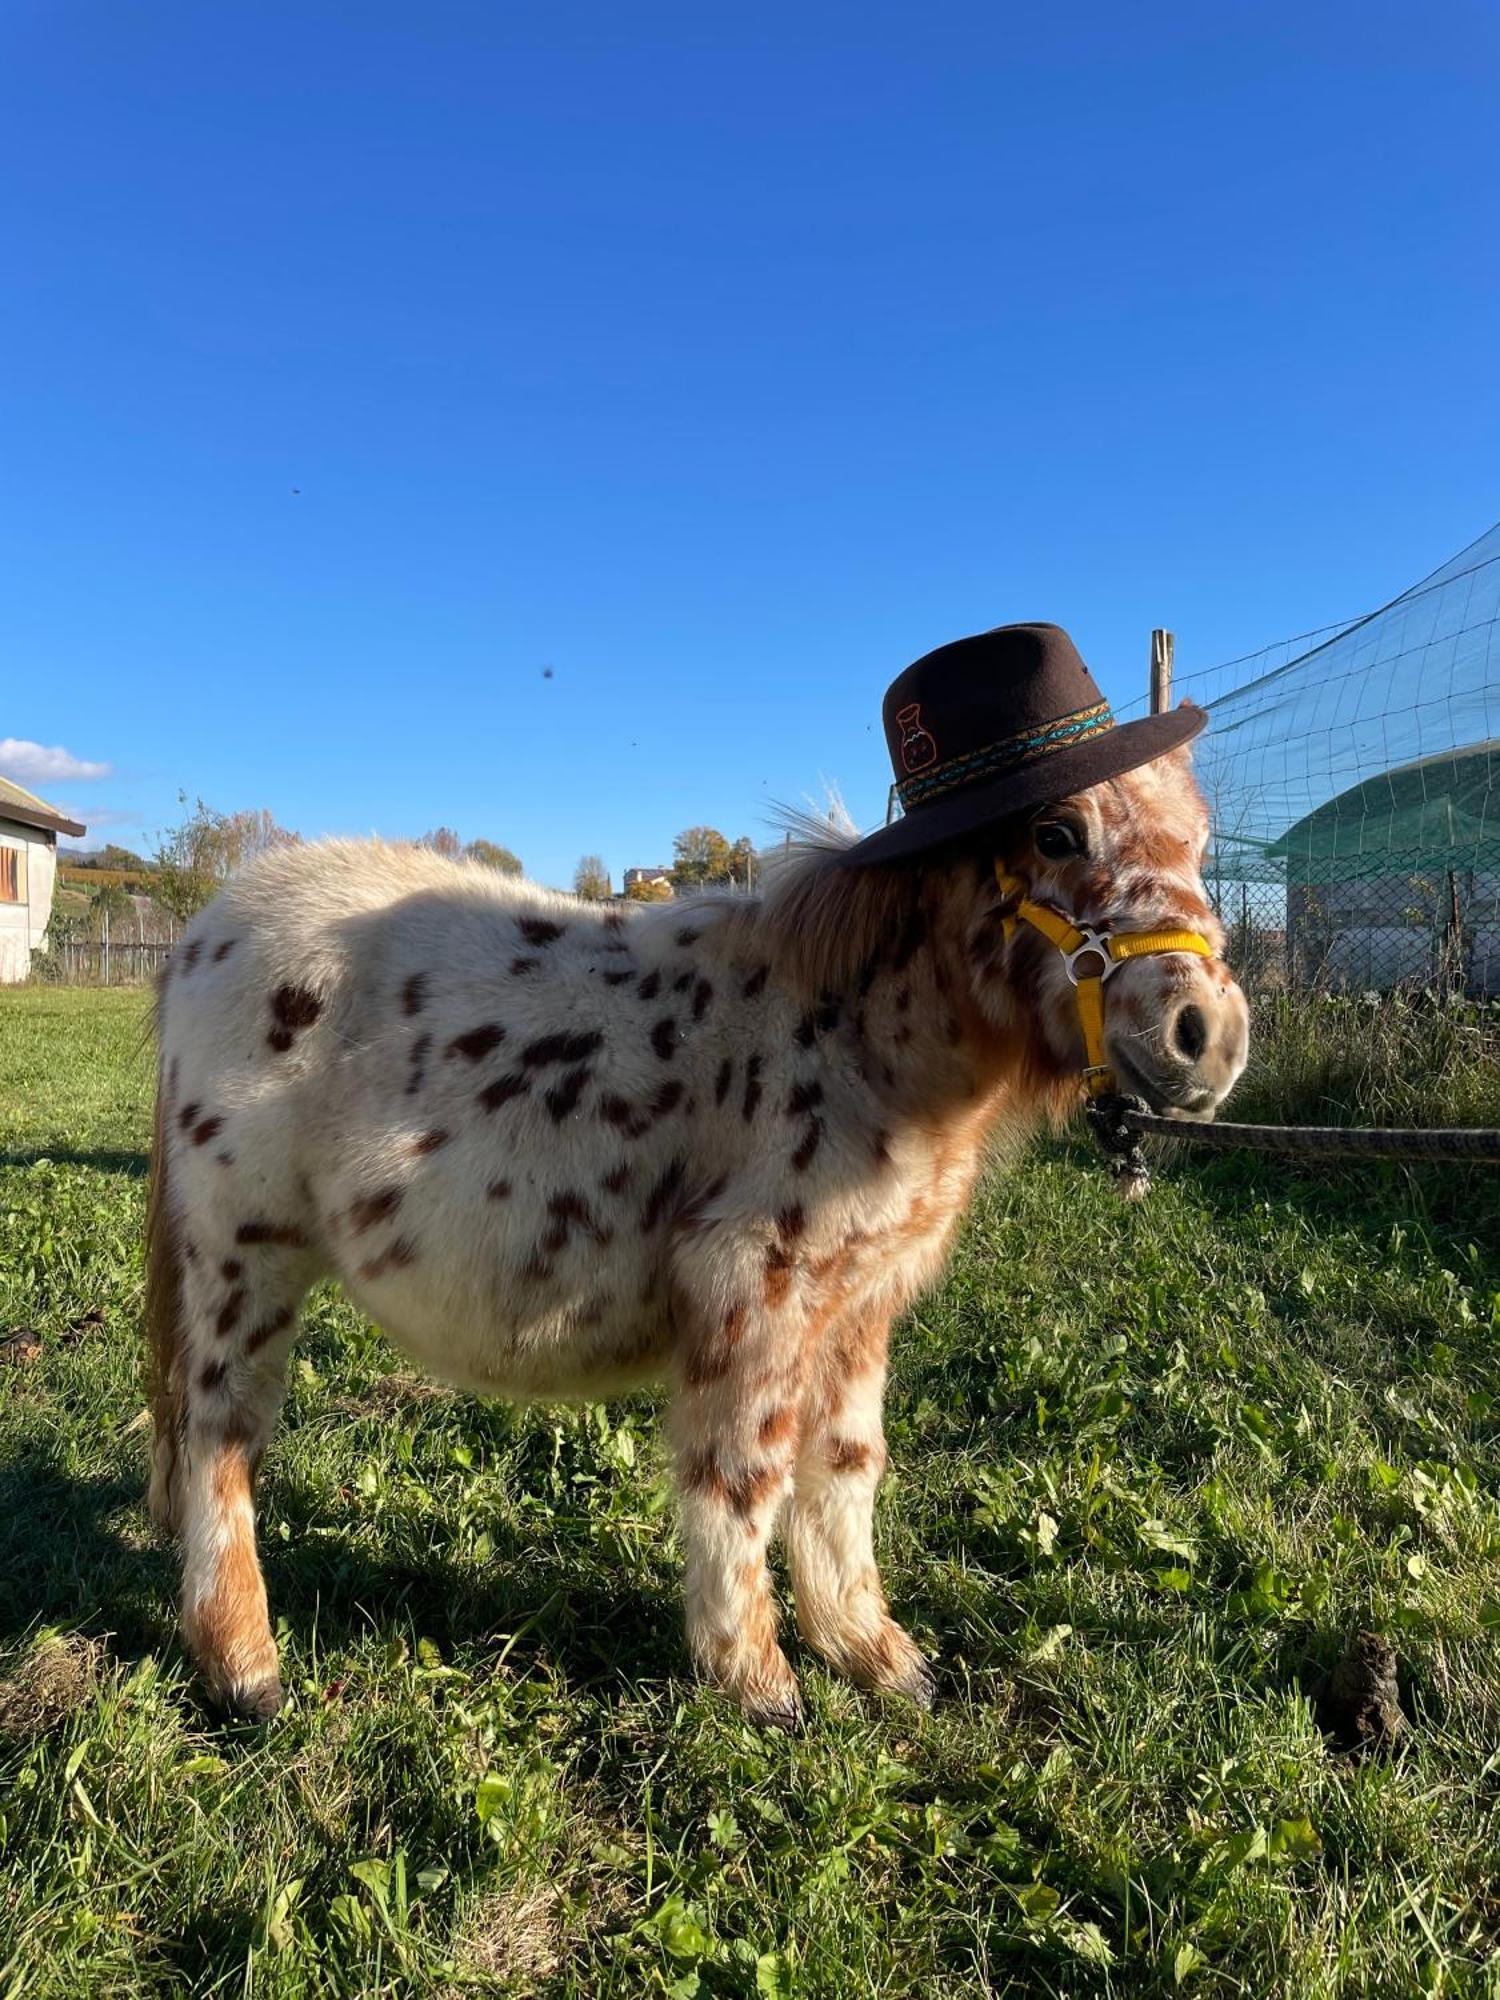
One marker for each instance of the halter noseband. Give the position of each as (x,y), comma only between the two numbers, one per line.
(1111,948)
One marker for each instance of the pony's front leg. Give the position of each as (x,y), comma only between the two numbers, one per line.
(841,1607)
(734,1427)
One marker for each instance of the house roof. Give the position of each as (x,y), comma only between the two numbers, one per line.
(1442,810)
(24,807)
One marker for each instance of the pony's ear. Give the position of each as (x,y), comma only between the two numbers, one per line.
(1182,756)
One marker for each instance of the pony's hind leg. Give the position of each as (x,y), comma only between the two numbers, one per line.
(841,1607)
(238,1311)
(734,1421)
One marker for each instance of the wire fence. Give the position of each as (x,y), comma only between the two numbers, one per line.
(1353,775)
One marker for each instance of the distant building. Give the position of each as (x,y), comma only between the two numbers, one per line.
(642,877)
(1399,877)
(28,867)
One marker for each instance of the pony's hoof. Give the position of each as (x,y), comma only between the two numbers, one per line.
(254,1701)
(782,1711)
(919,1685)
(248,1697)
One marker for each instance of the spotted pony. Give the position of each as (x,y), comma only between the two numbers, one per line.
(558,1150)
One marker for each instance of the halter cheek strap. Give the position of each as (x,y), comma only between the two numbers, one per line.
(1110,948)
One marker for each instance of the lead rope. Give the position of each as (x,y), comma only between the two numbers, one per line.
(1107,1108)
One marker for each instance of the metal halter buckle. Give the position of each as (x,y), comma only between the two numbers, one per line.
(1096,942)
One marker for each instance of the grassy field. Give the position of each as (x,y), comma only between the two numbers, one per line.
(1150,1469)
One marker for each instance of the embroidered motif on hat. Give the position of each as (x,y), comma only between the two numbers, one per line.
(918,749)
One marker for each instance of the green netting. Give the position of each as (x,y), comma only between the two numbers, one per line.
(1355,787)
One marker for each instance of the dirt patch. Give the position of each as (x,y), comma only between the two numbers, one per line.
(55,1679)
(514,1936)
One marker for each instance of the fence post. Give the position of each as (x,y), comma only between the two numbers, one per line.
(1162,645)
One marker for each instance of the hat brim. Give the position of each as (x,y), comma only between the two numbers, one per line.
(1123,748)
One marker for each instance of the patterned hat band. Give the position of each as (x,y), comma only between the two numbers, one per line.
(994,760)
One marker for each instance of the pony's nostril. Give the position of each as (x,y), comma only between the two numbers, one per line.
(1190,1032)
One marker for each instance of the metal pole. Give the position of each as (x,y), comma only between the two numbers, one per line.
(1162,645)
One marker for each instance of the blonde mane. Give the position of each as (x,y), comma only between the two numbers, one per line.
(818,922)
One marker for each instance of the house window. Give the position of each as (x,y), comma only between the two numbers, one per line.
(12,875)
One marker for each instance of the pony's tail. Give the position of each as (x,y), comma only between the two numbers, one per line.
(164,1356)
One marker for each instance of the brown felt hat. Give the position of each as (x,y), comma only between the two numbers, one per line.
(996,725)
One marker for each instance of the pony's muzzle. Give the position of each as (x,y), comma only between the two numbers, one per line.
(1177,1032)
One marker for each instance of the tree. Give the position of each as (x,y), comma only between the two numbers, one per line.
(742,862)
(443,840)
(111,905)
(591,879)
(122,858)
(196,859)
(649,892)
(702,854)
(489,855)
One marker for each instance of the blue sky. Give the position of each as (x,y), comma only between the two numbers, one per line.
(360,364)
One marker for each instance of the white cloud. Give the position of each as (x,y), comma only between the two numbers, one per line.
(37,764)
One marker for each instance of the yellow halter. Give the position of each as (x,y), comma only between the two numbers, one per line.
(1111,948)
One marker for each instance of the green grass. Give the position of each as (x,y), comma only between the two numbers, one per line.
(1150,1468)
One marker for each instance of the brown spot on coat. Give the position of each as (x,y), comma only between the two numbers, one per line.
(539,930)
(650,986)
(710,1358)
(503,1089)
(475,1044)
(703,993)
(755,984)
(370,1209)
(212,1377)
(688,936)
(723,1079)
(562,1098)
(190,955)
(618,978)
(187,1114)
(743,1491)
(285,1233)
(429,1142)
(846,1455)
(570,1210)
(221,952)
(560,1048)
(295,1007)
(414,993)
(206,1129)
(232,1268)
(779,1266)
(668,1186)
(618,1178)
(229,1312)
(521,966)
(664,1099)
(498,1190)
(664,1038)
(791,1223)
(268,1329)
(682,982)
(752,1088)
(417,1058)
(805,1097)
(777,1426)
(392,1258)
(811,1140)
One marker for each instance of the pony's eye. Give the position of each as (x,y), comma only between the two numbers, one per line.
(1056,840)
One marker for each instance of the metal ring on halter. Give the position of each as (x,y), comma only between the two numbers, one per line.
(1098,943)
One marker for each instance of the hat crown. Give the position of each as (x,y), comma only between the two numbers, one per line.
(978,695)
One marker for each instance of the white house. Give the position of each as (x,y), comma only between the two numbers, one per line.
(28,866)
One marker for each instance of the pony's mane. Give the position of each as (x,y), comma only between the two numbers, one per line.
(818,921)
